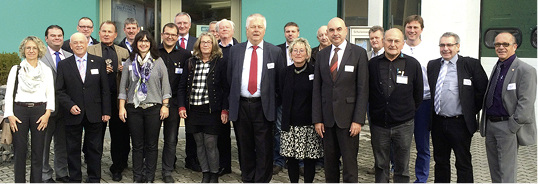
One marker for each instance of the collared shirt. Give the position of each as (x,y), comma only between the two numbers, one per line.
(186,37)
(84,60)
(227,45)
(199,94)
(288,57)
(420,53)
(388,71)
(379,52)
(340,53)
(90,41)
(497,107)
(128,45)
(62,56)
(246,70)
(450,98)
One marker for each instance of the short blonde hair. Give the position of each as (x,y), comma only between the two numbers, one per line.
(306,45)
(40,47)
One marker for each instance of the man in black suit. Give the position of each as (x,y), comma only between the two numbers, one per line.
(457,87)
(183,22)
(253,69)
(130,28)
(82,89)
(85,26)
(339,101)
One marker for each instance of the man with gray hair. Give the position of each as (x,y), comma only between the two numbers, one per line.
(185,41)
(130,28)
(376,41)
(213,29)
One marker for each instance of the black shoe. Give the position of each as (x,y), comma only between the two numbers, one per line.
(206,177)
(50,180)
(116,176)
(214,178)
(193,165)
(64,179)
(223,171)
(168,179)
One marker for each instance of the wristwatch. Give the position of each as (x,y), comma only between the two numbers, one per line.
(166,105)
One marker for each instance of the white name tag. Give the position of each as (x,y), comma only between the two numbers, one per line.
(467,82)
(401,79)
(130,67)
(94,71)
(270,65)
(179,70)
(311,77)
(511,86)
(349,68)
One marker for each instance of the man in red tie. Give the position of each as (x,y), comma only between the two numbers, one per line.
(253,68)
(183,22)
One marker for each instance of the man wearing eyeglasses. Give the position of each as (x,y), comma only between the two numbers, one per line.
(85,26)
(457,87)
(508,120)
(174,58)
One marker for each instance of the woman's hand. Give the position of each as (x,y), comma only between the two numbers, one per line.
(13,120)
(164,112)
(224,118)
(183,114)
(43,121)
(123,114)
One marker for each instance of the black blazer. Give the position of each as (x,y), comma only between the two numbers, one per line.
(92,96)
(190,43)
(343,101)
(217,86)
(271,57)
(67,47)
(286,93)
(124,45)
(471,96)
(283,48)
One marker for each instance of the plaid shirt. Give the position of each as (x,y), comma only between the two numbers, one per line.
(199,94)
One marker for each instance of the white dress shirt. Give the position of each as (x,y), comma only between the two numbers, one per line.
(288,56)
(62,56)
(340,53)
(186,37)
(246,70)
(420,53)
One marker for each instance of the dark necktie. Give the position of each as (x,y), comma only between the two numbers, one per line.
(253,76)
(493,85)
(57,58)
(334,64)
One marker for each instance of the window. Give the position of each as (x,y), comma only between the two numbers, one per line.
(398,10)
(203,12)
(142,10)
(355,12)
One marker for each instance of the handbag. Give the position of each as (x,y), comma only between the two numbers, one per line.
(7,138)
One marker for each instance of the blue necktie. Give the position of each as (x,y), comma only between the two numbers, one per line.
(57,58)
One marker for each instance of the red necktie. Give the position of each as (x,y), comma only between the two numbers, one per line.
(253,76)
(182,45)
(334,63)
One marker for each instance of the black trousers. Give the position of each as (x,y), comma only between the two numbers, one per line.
(224,145)
(170,131)
(254,134)
(451,134)
(120,144)
(93,142)
(144,125)
(336,142)
(28,116)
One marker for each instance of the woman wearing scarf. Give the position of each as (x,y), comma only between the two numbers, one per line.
(28,107)
(145,104)
(203,102)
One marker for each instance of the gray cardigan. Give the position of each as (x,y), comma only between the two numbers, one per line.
(158,85)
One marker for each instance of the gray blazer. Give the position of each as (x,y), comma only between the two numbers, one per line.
(50,62)
(518,102)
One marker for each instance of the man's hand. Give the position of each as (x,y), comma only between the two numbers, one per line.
(320,129)
(355,129)
(120,68)
(105,118)
(183,114)
(75,110)
(109,69)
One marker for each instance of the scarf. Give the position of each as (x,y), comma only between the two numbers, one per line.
(30,78)
(141,72)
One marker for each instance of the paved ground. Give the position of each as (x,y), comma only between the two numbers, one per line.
(527,164)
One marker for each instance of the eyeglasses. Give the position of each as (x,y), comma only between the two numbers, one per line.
(31,48)
(503,44)
(204,43)
(170,35)
(447,45)
(298,51)
(143,41)
(85,27)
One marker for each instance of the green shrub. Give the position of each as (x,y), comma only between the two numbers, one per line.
(7,60)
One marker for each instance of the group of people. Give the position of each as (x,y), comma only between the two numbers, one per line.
(289,104)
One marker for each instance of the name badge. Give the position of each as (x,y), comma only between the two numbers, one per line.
(511,86)
(179,70)
(130,67)
(349,68)
(467,82)
(270,65)
(311,77)
(401,79)
(94,71)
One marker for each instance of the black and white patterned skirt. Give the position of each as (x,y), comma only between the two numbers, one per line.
(301,142)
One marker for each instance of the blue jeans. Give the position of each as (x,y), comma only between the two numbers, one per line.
(422,140)
(278,159)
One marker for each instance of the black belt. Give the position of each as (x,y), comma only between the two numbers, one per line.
(30,104)
(251,100)
(447,117)
(498,118)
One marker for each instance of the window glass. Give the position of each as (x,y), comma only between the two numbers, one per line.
(203,12)
(355,12)
(142,10)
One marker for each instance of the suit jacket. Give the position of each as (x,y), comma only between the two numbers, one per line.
(124,45)
(471,96)
(51,63)
(122,53)
(518,102)
(190,43)
(344,100)
(284,56)
(92,96)
(67,47)
(268,86)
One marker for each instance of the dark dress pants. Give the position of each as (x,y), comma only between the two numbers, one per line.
(144,125)
(28,116)
(255,138)
(336,142)
(451,134)
(93,143)
(224,144)
(55,130)
(170,131)
(120,144)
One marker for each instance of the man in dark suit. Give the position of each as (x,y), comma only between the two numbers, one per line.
(252,73)
(508,120)
(339,101)
(85,26)
(130,28)
(183,22)
(457,87)
(82,90)
(323,42)
(119,132)
(54,36)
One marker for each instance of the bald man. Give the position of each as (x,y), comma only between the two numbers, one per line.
(323,42)
(395,94)
(341,90)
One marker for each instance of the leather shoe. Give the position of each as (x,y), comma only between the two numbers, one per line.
(116,176)
(214,178)
(64,179)
(206,177)
(193,166)
(276,169)
(223,171)
(50,180)
(168,179)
